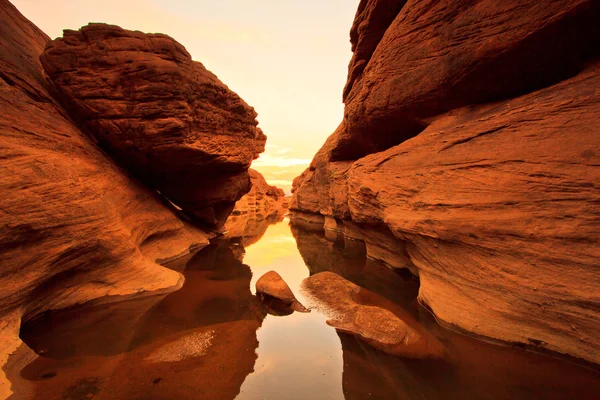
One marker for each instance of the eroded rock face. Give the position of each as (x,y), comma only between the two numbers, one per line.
(261,198)
(272,285)
(74,227)
(436,56)
(262,206)
(369,317)
(495,197)
(206,329)
(162,115)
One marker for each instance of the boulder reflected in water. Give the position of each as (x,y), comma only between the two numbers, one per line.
(370,317)
(471,369)
(198,342)
(272,289)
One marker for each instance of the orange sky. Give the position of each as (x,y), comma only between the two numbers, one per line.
(287,59)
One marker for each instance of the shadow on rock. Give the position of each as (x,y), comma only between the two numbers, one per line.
(198,342)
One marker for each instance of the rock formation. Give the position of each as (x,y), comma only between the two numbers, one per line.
(74,226)
(272,286)
(162,115)
(370,317)
(470,132)
(206,329)
(262,206)
(261,198)
(371,373)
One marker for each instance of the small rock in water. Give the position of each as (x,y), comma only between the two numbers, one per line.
(277,295)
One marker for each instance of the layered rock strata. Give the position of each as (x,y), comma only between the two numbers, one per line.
(74,226)
(470,132)
(369,372)
(261,198)
(163,116)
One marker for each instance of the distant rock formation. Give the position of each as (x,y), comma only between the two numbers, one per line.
(261,197)
(168,119)
(471,132)
(262,206)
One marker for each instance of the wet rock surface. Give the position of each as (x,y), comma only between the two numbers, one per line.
(168,119)
(272,286)
(470,368)
(197,342)
(370,317)
(473,141)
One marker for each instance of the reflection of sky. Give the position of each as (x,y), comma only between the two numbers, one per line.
(299,356)
(287,58)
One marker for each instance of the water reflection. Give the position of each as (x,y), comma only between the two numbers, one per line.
(213,339)
(299,356)
(198,342)
(472,370)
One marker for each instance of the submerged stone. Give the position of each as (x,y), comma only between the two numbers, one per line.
(370,317)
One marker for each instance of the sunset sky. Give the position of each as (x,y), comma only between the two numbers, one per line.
(288,59)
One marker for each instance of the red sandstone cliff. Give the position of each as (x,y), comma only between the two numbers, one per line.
(471,131)
(74,226)
(162,115)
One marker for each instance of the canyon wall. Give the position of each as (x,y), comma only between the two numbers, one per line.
(470,131)
(74,225)
(168,119)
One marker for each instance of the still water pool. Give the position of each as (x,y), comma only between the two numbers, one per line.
(212,339)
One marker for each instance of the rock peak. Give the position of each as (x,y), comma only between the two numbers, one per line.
(165,117)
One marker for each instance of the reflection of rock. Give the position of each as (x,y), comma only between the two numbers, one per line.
(216,290)
(370,317)
(470,368)
(162,115)
(356,258)
(272,285)
(253,213)
(483,155)
(379,242)
(163,345)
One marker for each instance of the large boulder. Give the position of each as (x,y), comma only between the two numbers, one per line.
(73,226)
(475,142)
(435,56)
(165,117)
